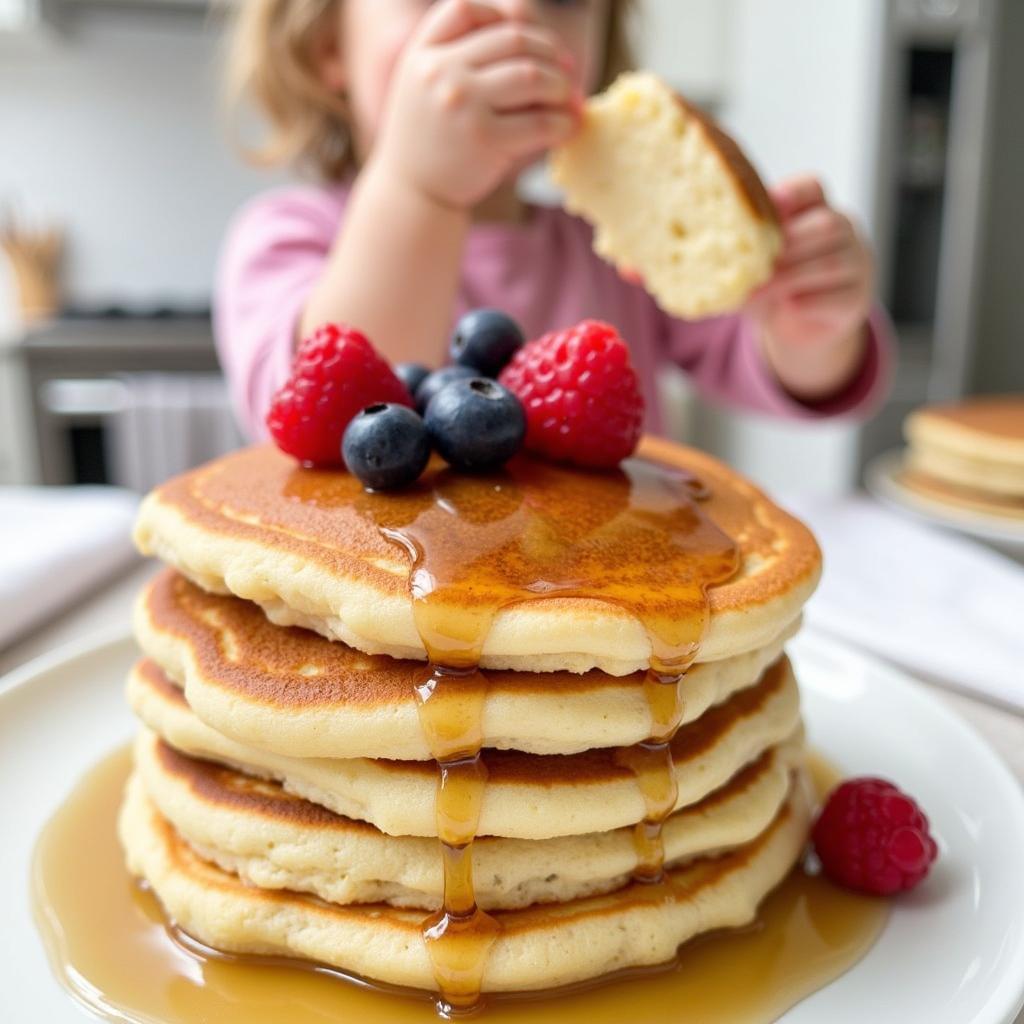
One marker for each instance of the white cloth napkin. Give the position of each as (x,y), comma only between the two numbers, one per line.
(57,543)
(941,606)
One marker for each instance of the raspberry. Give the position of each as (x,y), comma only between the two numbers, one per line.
(581,395)
(873,837)
(336,373)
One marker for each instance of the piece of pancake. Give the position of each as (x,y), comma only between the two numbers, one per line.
(976,448)
(274,840)
(672,198)
(306,546)
(291,691)
(527,796)
(537,948)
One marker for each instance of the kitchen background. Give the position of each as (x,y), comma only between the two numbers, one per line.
(110,132)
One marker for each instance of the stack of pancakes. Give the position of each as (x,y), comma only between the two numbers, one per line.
(969,454)
(597,804)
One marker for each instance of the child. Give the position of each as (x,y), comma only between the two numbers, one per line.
(418,117)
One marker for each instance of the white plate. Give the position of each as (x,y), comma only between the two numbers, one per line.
(952,953)
(882,479)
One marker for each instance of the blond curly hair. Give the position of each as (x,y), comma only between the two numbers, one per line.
(271,65)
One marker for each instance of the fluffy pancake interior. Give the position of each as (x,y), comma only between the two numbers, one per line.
(671,197)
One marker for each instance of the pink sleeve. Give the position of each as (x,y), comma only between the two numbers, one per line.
(724,359)
(273,254)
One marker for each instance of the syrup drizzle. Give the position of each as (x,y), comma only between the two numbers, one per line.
(634,538)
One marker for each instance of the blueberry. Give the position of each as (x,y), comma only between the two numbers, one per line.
(486,340)
(437,380)
(386,446)
(476,424)
(412,375)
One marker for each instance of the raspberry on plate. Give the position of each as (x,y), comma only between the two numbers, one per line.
(336,373)
(872,837)
(581,395)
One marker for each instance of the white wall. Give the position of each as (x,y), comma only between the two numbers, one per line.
(114,130)
(804,90)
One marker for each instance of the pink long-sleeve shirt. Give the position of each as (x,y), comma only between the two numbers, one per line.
(542,272)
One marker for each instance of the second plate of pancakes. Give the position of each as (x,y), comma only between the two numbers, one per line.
(885,480)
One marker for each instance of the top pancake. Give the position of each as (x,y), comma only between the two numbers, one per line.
(601,584)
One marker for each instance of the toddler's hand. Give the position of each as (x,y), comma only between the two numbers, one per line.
(474,97)
(821,290)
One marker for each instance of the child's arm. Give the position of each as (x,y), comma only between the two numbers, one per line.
(474,97)
(813,314)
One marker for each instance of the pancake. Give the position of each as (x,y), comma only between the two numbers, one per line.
(275,840)
(292,692)
(942,493)
(671,196)
(527,796)
(537,948)
(974,447)
(308,547)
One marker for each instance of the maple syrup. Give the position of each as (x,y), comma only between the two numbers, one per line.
(112,949)
(635,537)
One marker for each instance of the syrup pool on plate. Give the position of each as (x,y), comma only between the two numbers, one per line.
(112,949)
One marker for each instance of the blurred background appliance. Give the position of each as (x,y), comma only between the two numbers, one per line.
(125,400)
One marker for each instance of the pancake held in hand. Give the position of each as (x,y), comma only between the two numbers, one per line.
(292,692)
(275,840)
(527,796)
(536,948)
(612,554)
(672,198)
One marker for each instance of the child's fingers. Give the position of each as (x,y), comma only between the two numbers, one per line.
(532,131)
(795,195)
(506,41)
(815,233)
(831,306)
(515,84)
(835,270)
(452,19)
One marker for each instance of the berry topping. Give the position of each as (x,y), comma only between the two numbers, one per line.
(412,375)
(386,446)
(872,837)
(486,340)
(581,395)
(476,424)
(336,373)
(437,380)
